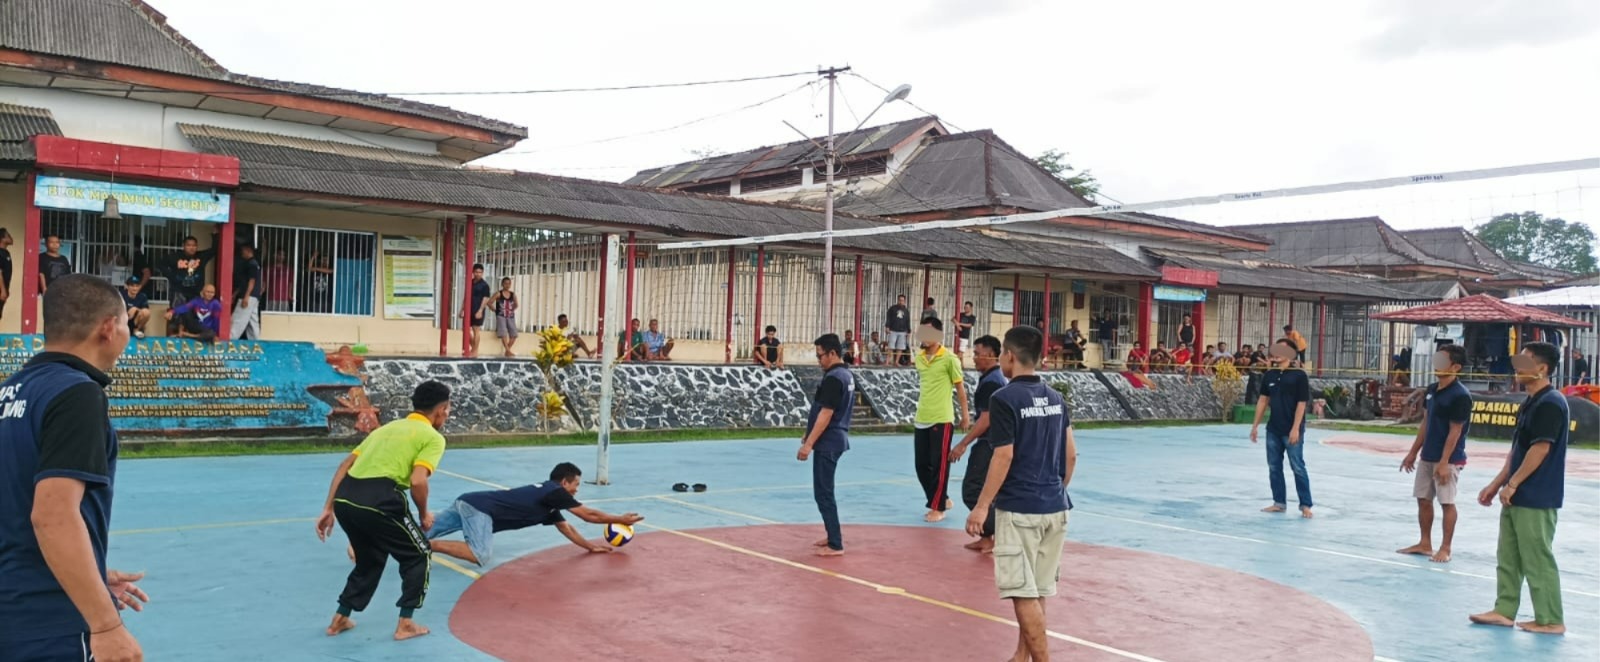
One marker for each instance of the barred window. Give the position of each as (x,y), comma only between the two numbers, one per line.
(319,272)
(114,249)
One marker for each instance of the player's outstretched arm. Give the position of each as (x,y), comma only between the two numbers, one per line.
(593,516)
(572,534)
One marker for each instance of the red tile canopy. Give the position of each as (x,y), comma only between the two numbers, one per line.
(1479,309)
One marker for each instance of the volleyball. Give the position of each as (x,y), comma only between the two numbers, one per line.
(618,534)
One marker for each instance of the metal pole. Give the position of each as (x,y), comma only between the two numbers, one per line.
(1016,305)
(1046,328)
(827,214)
(468,255)
(627,303)
(727,350)
(859,277)
(608,251)
(602,465)
(449,265)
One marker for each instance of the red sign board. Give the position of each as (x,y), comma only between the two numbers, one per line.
(139,162)
(1191,277)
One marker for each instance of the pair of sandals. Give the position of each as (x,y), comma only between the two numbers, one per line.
(685,487)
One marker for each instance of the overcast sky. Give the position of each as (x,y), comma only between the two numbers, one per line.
(1160,99)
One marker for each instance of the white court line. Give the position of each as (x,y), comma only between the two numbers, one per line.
(715,510)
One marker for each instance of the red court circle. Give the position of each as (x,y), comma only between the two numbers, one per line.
(728,594)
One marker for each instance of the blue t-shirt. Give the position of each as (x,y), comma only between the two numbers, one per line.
(54,423)
(837,392)
(1284,390)
(1452,404)
(142,300)
(1031,418)
(1543,418)
(522,507)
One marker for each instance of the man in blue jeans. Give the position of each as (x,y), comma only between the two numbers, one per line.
(1286,391)
(828,435)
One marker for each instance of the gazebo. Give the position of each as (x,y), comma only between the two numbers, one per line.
(1580,301)
(1490,330)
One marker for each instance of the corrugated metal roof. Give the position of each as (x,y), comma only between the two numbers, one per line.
(1423,290)
(1269,275)
(18,124)
(1460,246)
(1349,243)
(132,33)
(787,156)
(278,162)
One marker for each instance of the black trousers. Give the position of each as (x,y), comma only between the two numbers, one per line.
(376,519)
(933,463)
(972,482)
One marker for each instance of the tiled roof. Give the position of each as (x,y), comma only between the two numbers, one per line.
(132,33)
(1478,308)
(1460,246)
(1280,277)
(1422,290)
(1349,243)
(17,125)
(787,156)
(283,163)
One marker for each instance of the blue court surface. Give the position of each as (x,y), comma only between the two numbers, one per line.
(235,570)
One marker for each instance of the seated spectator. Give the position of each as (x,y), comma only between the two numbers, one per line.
(1072,348)
(138,304)
(1160,358)
(656,345)
(577,340)
(632,342)
(877,350)
(199,318)
(1138,359)
(1258,358)
(852,349)
(769,350)
(1182,358)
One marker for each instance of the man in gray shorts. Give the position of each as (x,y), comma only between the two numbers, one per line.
(1034,455)
(898,325)
(1441,444)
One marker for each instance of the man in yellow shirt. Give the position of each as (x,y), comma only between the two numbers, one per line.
(1300,342)
(939,372)
(367,498)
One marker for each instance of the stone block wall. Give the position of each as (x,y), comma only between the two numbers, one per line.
(488,396)
(893,393)
(677,396)
(1090,400)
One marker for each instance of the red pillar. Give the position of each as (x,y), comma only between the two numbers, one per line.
(761,277)
(605,272)
(32,236)
(733,266)
(1272,316)
(225,256)
(1046,328)
(1147,298)
(1322,330)
(627,299)
(1199,315)
(469,255)
(1016,305)
(957,315)
(1238,338)
(448,263)
(860,273)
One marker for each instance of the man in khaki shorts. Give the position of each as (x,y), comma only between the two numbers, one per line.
(1034,454)
(1442,445)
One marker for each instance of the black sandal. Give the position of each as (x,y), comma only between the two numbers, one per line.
(680,487)
(699,487)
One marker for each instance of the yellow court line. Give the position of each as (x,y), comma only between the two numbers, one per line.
(894,590)
(218,525)
(719,511)
(442,560)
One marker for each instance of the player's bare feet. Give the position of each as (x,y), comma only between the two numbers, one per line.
(1553,628)
(340,624)
(1441,556)
(828,551)
(933,516)
(408,629)
(1419,549)
(976,545)
(1491,618)
(1305,512)
(820,543)
(1274,508)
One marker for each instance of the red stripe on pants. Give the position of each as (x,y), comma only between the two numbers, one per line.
(944,469)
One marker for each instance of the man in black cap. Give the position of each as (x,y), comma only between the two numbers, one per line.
(138,304)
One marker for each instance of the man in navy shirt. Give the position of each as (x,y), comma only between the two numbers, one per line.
(986,357)
(480,307)
(1285,390)
(1442,443)
(1531,486)
(1034,454)
(480,515)
(828,435)
(58,462)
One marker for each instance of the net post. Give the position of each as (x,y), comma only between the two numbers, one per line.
(602,465)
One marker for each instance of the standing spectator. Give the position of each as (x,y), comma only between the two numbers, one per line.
(319,284)
(479,308)
(1286,391)
(1300,344)
(928,311)
(5,270)
(504,306)
(851,348)
(58,600)
(186,272)
(828,436)
(897,324)
(138,305)
(1034,458)
(938,372)
(1138,359)
(986,357)
(1107,331)
(1441,444)
(631,343)
(141,261)
(656,344)
(200,317)
(246,320)
(1580,365)
(52,264)
(877,350)
(964,324)
(1531,486)
(1186,331)
(769,351)
(577,340)
(280,283)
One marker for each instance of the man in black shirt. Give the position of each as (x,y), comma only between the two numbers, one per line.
(5,270)
(138,305)
(480,515)
(186,271)
(1580,365)
(1286,391)
(246,322)
(964,324)
(897,324)
(1186,331)
(769,350)
(58,601)
(480,306)
(52,265)
(986,357)
(828,435)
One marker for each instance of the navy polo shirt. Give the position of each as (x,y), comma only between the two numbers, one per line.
(1285,390)
(1543,419)
(836,392)
(989,383)
(54,423)
(1031,418)
(522,507)
(1451,404)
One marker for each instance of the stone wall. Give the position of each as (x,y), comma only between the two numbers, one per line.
(893,393)
(678,396)
(1089,399)
(488,396)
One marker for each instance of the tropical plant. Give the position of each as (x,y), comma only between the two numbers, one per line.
(555,351)
(1228,386)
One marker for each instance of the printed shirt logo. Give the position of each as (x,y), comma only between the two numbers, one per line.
(1041,407)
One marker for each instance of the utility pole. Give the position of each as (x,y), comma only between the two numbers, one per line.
(829,157)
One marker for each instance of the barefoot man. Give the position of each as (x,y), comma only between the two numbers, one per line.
(367,498)
(1285,391)
(828,436)
(939,371)
(1442,442)
(1531,487)
(986,356)
(1034,455)
(479,515)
